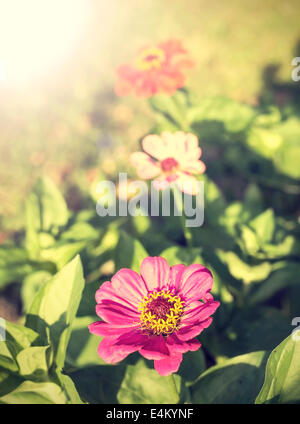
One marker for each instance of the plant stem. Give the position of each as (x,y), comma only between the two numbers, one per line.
(173,387)
(179,205)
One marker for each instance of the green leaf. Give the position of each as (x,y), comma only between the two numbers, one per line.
(8,381)
(251,329)
(144,385)
(286,274)
(62,252)
(235,116)
(129,253)
(282,380)
(264,225)
(99,384)
(171,107)
(264,141)
(34,362)
(18,338)
(69,389)
(181,255)
(80,231)
(235,381)
(242,270)
(30,392)
(192,366)
(14,265)
(45,211)
(83,346)
(31,285)
(249,242)
(55,307)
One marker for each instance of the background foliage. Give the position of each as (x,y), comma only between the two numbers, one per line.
(55,251)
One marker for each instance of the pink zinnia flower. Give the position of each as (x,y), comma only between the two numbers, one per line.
(155,69)
(177,159)
(157,313)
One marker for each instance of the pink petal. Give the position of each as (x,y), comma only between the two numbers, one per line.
(109,353)
(190,331)
(174,344)
(106,292)
(197,281)
(188,184)
(127,288)
(176,272)
(146,167)
(114,313)
(155,272)
(155,147)
(168,366)
(200,313)
(155,348)
(195,167)
(103,329)
(112,349)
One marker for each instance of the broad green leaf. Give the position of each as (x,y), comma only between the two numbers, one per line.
(99,384)
(31,392)
(45,211)
(80,231)
(264,141)
(69,389)
(172,108)
(180,255)
(214,200)
(249,242)
(288,247)
(18,338)
(83,346)
(14,265)
(144,385)
(251,329)
(31,285)
(285,274)
(282,380)
(253,200)
(235,381)
(129,253)
(264,225)
(242,270)
(288,156)
(8,381)
(233,115)
(55,306)
(34,362)
(62,252)
(192,366)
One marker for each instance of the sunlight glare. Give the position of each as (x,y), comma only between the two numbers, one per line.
(37,36)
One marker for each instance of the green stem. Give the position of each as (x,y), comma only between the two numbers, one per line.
(179,204)
(173,387)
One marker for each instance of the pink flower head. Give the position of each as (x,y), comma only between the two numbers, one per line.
(155,69)
(177,159)
(157,313)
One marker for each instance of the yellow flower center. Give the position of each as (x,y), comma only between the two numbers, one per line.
(151,58)
(160,312)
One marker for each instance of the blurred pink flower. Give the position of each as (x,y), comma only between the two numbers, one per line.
(155,69)
(157,313)
(177,159)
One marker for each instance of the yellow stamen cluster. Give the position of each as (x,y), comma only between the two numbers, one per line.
(150,58)
(160,312)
